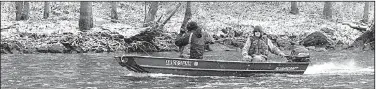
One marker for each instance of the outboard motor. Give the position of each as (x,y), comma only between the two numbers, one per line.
(298,55)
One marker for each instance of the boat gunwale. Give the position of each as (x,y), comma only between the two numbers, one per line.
(223,61)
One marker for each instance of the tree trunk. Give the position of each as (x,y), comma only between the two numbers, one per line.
(365,12)
(145,5)
(19,8)
(152,11)
(114,11)
(172,14)
(86,16)
(46,12)
(25,13)
(22,11)
(187,16)
(327,10)
(294,8)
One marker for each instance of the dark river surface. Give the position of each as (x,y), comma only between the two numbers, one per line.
(332,69)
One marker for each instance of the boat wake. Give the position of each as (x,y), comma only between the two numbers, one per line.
(346,67)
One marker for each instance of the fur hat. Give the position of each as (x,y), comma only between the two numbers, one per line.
(192,26)
(257,29)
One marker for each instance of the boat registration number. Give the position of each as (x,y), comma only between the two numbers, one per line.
(286,68)
(180,63)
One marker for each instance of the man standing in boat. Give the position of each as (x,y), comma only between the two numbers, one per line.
(193,41)
(256,47)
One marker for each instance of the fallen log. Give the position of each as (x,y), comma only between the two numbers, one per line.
(358,27)
(366,39)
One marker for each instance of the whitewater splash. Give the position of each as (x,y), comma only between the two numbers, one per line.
(346,67)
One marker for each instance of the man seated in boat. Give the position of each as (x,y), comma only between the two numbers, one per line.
(256,47)
(193,41)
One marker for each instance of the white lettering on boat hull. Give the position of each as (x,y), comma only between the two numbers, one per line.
(178,63)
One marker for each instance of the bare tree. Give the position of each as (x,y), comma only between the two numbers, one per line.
(22,10)
(26,10)
(365,12)
(114,11)
(86,16)
(19,8)
(327,10)
(294,8)
(172,14)
(152,11)
(46,12)
(187,15)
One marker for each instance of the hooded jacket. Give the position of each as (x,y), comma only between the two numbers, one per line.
(196,39)
(259,45)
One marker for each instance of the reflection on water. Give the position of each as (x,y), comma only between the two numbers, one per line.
(328,70)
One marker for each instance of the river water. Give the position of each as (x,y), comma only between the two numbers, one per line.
(332,69)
